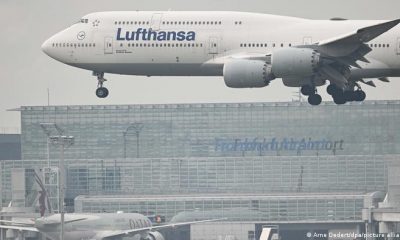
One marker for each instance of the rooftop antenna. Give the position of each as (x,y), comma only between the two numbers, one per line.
(48,96)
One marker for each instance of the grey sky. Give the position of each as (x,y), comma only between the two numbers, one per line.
(26,72)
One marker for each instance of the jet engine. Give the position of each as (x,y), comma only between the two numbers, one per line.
(247,74)
(295,62)
(299,63)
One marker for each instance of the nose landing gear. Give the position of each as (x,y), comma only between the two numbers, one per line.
(101,91)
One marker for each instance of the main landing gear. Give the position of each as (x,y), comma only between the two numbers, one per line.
(313,97)
(101,91)
(341,96)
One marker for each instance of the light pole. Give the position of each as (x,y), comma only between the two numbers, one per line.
(62,141)
(137,129)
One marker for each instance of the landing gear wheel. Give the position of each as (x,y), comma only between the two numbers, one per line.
(315,99)
(332,89)
(349,96)
(102,92)
(307,90)
(339,98)
(359,95)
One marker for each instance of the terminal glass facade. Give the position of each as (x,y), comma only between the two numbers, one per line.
(261,175)
(216,130)
(253,208)
(287,161)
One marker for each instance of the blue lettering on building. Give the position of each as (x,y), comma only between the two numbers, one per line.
(274,144)
(142,34)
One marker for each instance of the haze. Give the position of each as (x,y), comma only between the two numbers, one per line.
(27,73)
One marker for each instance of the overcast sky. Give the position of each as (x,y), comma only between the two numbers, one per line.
(26,73)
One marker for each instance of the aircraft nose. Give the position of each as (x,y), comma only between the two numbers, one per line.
(46,47)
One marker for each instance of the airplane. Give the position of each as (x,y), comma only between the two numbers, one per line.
(249,50)
(96,226)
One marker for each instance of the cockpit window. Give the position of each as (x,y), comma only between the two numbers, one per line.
(83,20)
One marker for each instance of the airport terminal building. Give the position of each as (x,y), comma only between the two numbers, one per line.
(297,168)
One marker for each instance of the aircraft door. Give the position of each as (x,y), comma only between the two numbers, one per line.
(108,45)
(398,46)
(213,45)
(156,21)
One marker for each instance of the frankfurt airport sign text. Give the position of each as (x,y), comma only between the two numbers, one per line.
(275,144)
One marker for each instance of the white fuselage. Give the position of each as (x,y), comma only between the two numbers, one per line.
(199,43)
(90,226)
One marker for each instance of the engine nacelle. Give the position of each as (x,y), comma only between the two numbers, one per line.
(247,74)
(155,236)
(295,62)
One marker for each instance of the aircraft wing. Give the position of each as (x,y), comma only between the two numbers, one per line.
(348,44)
(112,234)
(20,228)
(342,52)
